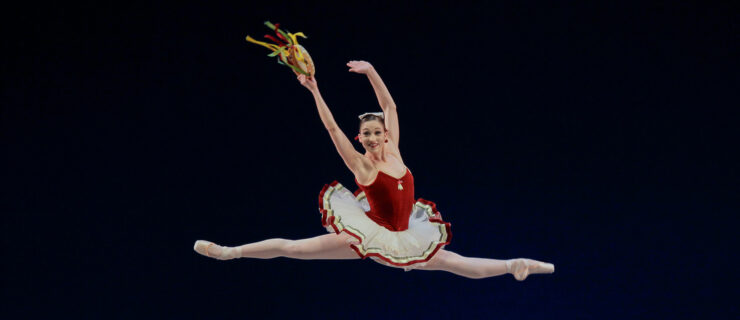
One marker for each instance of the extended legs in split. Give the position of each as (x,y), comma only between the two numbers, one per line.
(335,247)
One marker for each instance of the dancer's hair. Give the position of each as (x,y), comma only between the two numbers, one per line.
(372,117)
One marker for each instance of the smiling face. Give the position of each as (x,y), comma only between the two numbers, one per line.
(373,135)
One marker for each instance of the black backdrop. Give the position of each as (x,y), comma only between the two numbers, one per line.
(597,136)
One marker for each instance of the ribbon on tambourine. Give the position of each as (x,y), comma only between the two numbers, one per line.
(285,46)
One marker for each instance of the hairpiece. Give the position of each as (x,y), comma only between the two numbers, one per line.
(377,114)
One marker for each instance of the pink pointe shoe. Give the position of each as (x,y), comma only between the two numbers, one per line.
(212,250)
(521,268)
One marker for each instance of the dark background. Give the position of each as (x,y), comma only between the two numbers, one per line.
(594,135)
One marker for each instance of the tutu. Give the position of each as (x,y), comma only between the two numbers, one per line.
(427,233)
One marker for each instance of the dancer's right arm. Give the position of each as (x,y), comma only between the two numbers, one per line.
(351,157)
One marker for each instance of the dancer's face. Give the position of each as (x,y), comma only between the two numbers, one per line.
(372,135)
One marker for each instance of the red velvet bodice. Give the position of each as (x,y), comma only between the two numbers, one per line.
(390,205)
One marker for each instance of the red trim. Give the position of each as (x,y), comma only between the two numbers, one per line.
(437,218)
(333,225)
(321,202)
(357,192)
(321,205)
(353,235)
(357,251)
(321,195)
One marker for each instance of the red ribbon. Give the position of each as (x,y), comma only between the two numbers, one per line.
(277,25)
(280,43)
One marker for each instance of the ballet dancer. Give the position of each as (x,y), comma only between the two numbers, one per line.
(382,220)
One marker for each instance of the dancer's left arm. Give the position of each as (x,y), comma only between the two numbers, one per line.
(381,92)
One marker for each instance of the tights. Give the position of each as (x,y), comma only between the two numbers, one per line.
(333,246)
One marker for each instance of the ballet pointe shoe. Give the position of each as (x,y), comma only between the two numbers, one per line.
(522,268)
(211,250)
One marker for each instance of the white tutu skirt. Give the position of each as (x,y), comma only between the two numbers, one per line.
(343,211)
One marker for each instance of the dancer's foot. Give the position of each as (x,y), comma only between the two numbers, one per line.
(521,268)
(212,250)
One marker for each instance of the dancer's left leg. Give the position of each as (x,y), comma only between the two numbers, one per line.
(477,268)
(328,246)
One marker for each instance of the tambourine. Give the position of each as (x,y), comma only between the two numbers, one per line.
(287,50)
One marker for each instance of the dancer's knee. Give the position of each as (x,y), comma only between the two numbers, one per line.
(452,262)
(441,260)
(295,248)
(312,248)
(475,274)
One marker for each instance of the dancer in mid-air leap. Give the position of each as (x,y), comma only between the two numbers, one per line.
(382,220)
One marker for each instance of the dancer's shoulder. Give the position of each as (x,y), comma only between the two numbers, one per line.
(366,172)
(392,149)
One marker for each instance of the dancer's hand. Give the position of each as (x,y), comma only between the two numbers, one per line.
(308,82)
(362,67)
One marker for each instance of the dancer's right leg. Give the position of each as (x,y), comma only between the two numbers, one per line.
(477,268)
(328,246)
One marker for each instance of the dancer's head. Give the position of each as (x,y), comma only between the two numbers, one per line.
(373,134)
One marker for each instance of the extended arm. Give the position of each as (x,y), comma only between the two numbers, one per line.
(351,157)
(381,92)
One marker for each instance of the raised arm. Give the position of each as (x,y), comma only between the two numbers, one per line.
(351,157)
(381,92)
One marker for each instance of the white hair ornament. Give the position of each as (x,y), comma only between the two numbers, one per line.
(377,114)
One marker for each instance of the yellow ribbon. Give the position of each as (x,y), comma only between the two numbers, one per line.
(293,36)
(284,51)
(270,46)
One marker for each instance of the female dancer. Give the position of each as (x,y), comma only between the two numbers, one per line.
(383,221)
